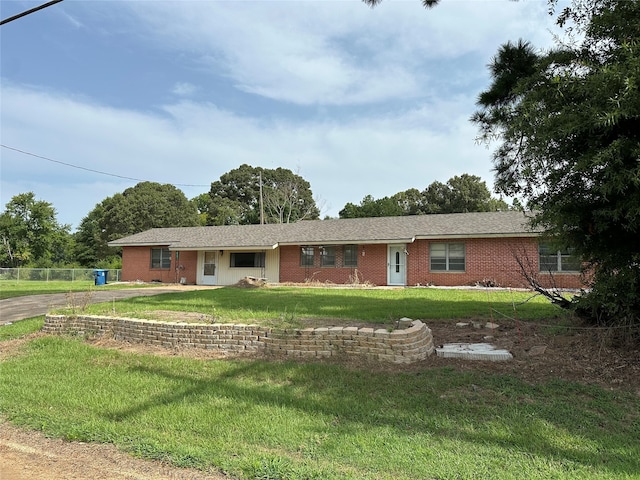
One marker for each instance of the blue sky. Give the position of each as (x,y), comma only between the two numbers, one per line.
(356,100)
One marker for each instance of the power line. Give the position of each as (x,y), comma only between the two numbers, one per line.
(92,170)
(27,12)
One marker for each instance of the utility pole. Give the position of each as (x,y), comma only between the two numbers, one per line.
(261,202)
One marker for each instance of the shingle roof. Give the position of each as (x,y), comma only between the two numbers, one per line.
(352,230)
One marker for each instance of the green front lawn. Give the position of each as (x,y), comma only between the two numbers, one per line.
(288,305)
(259,419)
(13,288)
(282,420)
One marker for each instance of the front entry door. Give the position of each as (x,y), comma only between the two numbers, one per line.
(209,267)
(397,263)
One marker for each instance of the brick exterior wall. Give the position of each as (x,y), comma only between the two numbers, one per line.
(136,266)
(399,346)
(488,260)
(372,266)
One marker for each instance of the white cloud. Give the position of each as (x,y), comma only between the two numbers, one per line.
(344,160)
(184,89)
(336,53)
(72,20)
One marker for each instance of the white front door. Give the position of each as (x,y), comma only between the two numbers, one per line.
(209,267)
(397,265)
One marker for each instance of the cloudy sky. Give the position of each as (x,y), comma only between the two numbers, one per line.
(99,95)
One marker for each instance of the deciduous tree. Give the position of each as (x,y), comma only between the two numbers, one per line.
(461,194)
(31,235)
(144,206)
(249,195)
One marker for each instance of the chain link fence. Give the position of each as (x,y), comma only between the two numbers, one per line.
(55,274)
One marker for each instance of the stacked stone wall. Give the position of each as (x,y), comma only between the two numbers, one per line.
(398,346)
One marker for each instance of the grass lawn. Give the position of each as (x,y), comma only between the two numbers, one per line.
(13,288)
(279,420)
(288,305)
(258,419)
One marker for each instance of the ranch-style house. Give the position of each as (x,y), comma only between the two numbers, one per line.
(487,248)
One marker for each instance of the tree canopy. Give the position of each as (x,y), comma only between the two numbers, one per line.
(567,123)
(31,235)
(253,195)
(144,206)
(461,194)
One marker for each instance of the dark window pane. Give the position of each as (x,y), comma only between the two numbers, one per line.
(548,263)
(160,258)
(247,259)
(438,264)
(350,256)
(306,256)
(569,263)
(328,256)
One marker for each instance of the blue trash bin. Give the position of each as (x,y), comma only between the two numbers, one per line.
(100,277)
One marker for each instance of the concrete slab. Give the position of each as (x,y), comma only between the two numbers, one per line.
(473,351)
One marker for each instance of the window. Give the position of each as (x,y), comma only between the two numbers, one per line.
(247,259)
(555,260)
(447,257)
(350,257)
(160,258)
(306,256)
(328,256)
(210,263)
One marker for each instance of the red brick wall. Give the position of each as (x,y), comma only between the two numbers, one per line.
(487,260)
(372,266)
(188,266)
(136,265)
(491,260)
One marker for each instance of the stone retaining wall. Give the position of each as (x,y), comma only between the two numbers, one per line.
(398,346)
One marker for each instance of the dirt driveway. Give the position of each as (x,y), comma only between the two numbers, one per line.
(26,455)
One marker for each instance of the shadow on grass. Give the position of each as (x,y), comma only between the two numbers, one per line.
(564,423)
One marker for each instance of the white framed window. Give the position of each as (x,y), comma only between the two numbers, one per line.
(160,258)
(552,259)
(447,257)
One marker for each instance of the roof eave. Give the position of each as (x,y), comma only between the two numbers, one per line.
(478,235)
(236,248)
(115,243)
(359,241)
